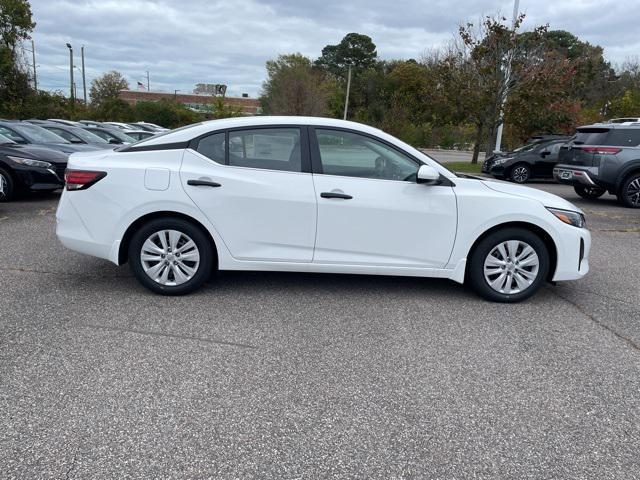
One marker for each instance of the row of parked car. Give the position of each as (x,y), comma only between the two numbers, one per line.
(599,158)
(34,153)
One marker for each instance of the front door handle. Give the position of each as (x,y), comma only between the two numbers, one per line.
(335,195)
(203,183)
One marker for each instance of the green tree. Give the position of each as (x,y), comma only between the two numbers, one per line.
(355,50)
(107,87)
(168,113)
(16,25)
(628,105)
(219,109)
(294,87)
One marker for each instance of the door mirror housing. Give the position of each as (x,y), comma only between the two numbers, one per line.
(544,153)
(428,175)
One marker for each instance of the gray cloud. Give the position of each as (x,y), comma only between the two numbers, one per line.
(186,42)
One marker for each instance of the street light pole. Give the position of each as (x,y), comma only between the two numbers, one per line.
(35,72)
(516,6)
(346,101)
(84,79)
(71,72)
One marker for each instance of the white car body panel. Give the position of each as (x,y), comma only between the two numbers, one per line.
(261,220)
(275,220)
(387,222)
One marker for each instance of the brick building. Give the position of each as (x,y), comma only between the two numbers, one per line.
(193,101)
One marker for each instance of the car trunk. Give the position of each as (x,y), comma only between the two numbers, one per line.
(578,152)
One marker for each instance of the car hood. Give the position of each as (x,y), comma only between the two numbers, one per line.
(36,152)
(546,198)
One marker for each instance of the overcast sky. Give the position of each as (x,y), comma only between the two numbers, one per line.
(184,42)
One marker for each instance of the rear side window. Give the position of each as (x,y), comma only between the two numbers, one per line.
(624,137)
(591,136)
(268,148)
(213,147)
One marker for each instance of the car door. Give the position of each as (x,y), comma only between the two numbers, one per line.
(255,187)
(548,158)
(371,211)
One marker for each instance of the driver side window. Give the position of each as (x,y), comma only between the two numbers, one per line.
(353,155)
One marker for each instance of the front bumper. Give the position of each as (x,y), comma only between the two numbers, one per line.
(570,175)
(573,248)
(37,178)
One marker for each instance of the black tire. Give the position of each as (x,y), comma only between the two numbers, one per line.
(475,270)
(7,187)
(629,194)
(520,173)
(590,193)
(202,241)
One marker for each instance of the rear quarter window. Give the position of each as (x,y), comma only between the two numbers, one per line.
(624,137)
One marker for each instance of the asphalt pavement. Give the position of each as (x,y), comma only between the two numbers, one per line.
(275,375)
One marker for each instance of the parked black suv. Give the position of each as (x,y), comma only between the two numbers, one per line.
(29,167)
(534,160)
(603,158)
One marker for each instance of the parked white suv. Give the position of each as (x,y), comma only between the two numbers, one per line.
(311,195)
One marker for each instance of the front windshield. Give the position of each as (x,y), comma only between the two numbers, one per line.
(120,135)
(87,136)
(36,134)
(4,139)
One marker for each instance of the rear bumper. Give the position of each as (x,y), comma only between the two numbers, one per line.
(570,175)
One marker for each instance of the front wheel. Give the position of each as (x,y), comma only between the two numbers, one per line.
(629,194)
(520,173)
(6,186)
(590,193)
(171,256)
(508,265)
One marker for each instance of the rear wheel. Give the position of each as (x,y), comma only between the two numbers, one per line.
(589,193)
(6,186)
(520,173)
(171,256)
(509,265)
(629,194)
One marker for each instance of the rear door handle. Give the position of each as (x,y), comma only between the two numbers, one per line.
(335,195)
(203,183)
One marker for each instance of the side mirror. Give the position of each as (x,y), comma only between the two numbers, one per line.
(544,153)
(428,175)
(114,141)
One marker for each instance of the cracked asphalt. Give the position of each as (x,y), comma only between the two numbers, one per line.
(273,375)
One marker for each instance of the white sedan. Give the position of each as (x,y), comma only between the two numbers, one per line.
(303,194)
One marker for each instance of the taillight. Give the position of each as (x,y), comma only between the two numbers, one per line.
(81,179)
(602,150)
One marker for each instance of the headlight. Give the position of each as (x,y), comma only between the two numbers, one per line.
(501,160)
(575,219)
(30,162)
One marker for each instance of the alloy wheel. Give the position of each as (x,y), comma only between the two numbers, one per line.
(170,257)
(511,267)
(520,174)
(4,186)
(633,192)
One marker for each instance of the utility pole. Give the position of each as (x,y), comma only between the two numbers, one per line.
(84,79)
(35,73)
(147,80)
(346,101)
(516,5)
(71,82)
